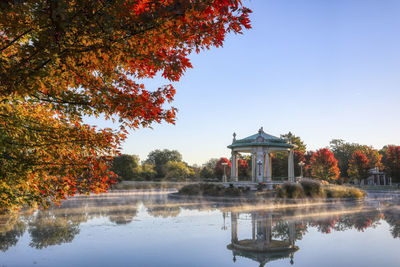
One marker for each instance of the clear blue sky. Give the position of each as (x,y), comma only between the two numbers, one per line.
(321,69)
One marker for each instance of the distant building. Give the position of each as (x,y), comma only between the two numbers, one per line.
(376,178)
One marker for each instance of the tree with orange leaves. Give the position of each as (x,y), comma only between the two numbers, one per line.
(45,157)
(62,60)
(324,166)
(359,166)
(219,167)
(391,161)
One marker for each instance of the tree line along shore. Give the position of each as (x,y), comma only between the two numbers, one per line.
(340,162)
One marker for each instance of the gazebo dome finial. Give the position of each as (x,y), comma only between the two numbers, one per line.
(234,137)
(260,131)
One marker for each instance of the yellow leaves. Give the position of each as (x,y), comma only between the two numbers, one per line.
(48,157)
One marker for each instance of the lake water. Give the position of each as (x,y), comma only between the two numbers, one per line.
(150,229)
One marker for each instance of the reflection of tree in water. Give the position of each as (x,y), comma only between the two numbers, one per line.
(392,217)
(123,215)
(164,211)
(359,221)
(163,208)
(48,228)
(11,229)
(280,230)
(325,225)
(366,220)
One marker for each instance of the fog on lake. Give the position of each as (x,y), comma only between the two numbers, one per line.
(151,229)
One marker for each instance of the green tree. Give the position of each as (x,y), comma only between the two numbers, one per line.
(49,229)
(343,152)
(295,140)
(126,167)
(159,158)
(208,169)
(12,227)
(280,163)
(177,170)
(123,215)
(280,159)
(195,171)
(147,171)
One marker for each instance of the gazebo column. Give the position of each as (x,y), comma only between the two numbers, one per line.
(234,167)
(260,167)
(234,227)
(292,233)
(253,226)
(260,222)
(270,167)
(291,166)
(268,229)
(267,168)
(253,167)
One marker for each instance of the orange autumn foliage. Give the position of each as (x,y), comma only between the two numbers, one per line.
(323,165)
(62,60)
(46,157)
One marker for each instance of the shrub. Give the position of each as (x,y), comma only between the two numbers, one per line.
(208,189)
(212,189)
(291,190)
(334,191)
(312,188)
(191,189)
(203,189)
(234,191)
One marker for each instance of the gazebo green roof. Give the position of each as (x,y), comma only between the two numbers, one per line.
(261,139)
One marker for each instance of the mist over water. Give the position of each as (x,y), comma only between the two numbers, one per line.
(148,228)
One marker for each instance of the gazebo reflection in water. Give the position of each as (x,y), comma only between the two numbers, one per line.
(261,247)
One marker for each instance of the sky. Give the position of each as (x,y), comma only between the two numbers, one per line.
(321,69)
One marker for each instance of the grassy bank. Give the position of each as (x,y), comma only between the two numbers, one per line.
(132,185)
(306,189)
(204,189)
(314,189)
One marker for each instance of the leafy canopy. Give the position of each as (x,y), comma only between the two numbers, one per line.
(85,56)
(324,166)
(44,157)
(295,140)
(359,165)
(126,167)
(219,167)
(391,161)
(62,60)
(159,158)
(343,152)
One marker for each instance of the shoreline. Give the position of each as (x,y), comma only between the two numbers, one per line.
(262,200)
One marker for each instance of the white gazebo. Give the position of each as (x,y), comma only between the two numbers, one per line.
(260,146)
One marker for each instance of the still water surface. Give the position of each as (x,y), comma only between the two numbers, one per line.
(142,229)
